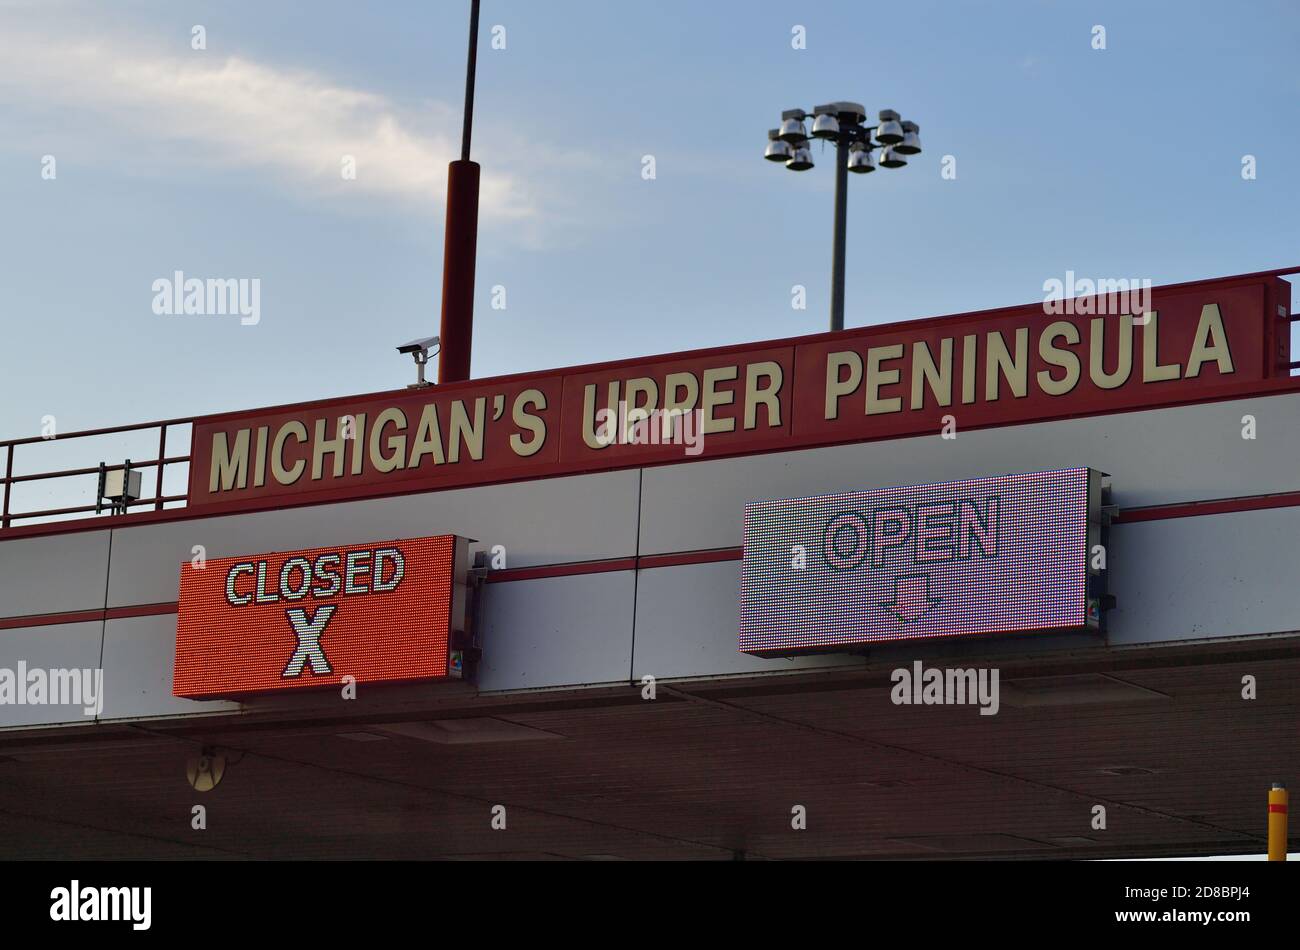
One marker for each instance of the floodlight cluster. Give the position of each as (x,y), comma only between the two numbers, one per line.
(844,122)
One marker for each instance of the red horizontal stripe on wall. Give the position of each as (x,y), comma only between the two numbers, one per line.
(562,570)
(43,620)
(88,616)
(690,557)
(1191,509)
(651,561)
(140,610)
(645,562)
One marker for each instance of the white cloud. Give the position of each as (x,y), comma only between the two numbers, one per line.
(235,112)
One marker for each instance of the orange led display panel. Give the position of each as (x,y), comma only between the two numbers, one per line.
(381,612)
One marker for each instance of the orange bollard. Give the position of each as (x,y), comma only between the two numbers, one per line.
(1277,822)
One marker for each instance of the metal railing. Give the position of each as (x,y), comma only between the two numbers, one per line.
(8,451)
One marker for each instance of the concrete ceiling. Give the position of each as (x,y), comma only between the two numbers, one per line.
(1161,737)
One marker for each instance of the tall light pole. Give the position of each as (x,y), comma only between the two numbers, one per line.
(844,123)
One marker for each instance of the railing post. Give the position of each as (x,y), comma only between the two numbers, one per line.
(9,473)
(162,454)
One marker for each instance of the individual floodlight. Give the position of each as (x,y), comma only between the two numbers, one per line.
(777,150)
(792,127)
(890,130)
(889,158)
(911,144)
(825,126)
(801,160)
(861,160)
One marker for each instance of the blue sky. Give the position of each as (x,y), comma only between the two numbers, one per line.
(224,162)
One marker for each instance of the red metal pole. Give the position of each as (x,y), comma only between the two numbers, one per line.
(461,239)
(458,260)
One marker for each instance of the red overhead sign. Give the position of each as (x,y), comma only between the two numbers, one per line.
(1048,360)
(381,613)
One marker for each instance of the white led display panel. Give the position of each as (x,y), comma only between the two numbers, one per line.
(1001,555)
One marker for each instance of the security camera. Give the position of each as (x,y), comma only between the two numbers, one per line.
(419,346)
(419,350)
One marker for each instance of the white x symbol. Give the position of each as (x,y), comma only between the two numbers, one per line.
(309,631)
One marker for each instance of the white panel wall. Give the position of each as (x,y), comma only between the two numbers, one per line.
(551,521)
(1182,579)
(1208,576)
(54,574)
(688,624)
(64,646)
(1191,453)
(1223,575)
(139,653)
(558,631)
(688,618)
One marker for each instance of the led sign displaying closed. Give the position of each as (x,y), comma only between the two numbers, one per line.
(1002,555)
(381,612)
